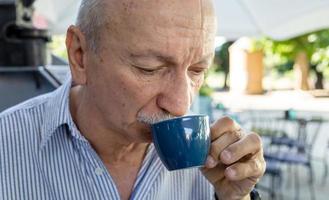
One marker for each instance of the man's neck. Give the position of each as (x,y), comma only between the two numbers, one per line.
(112,148)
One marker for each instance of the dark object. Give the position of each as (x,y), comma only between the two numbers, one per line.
(18,84)
(27,3)
(254,195)
(21,43)
(290,114)
(318,75)
(319,80)
(222,59)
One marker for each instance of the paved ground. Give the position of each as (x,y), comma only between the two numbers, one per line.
(275,100)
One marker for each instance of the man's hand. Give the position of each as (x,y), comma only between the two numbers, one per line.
(235,162)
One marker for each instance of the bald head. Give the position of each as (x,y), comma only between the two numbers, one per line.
(150,59)
(115,15)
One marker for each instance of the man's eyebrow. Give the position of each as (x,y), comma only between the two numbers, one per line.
(151,53)
(207,59)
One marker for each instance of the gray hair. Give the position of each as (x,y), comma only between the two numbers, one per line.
(90,21)
(153,118)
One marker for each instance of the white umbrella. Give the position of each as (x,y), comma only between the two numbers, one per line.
(278,19)
(59,14)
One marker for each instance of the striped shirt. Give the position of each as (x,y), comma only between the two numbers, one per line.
(44,156)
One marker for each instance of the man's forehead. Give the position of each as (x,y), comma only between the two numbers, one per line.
(186,12)
(173,28)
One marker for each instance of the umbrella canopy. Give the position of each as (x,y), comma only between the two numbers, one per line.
(278,19)
(58,14)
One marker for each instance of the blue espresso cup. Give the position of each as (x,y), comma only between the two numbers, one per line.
(182,142)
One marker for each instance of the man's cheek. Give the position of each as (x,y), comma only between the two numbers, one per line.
(197,83)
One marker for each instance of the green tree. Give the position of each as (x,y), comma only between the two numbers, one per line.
(221,61)
(315,45)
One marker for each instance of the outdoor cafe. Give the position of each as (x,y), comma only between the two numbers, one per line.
(270,74)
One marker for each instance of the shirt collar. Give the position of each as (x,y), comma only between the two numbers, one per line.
(57,113)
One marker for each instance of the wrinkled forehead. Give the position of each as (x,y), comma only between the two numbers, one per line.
(189,14)
(162,24)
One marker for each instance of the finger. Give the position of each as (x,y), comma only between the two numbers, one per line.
(253,168)
(223,125)
(215,174)
(249,145)
(211,162)
(218,145)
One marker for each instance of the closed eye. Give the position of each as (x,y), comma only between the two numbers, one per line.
(198,71)
(147,71)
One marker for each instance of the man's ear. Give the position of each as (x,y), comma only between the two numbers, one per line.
(76,51)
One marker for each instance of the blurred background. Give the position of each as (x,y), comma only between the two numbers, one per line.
(270,73)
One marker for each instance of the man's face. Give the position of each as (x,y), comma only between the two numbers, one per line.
(151,62)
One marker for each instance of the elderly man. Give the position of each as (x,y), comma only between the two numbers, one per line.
(132,63)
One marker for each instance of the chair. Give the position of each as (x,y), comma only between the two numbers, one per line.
(273,170)
(326,165)
(264,126)
(288,143)
(296,151)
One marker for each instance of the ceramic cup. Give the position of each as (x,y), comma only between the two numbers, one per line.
(182,142)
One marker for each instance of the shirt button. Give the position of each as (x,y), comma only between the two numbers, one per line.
(99,171)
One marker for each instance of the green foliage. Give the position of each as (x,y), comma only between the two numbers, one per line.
(205,90)
(256,45)
(280,55)
(286,66)
(57,46)
(221,60)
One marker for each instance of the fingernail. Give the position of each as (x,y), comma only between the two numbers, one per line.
(211,162)
(226,155)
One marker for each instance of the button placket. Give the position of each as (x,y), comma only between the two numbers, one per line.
(99,171)
(86,166)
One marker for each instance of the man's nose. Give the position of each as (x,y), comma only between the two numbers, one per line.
(175,97)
